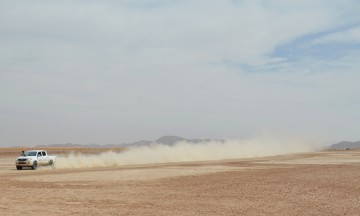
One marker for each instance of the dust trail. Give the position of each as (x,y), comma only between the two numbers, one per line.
(184,151)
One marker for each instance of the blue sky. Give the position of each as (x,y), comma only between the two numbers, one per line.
(119,71)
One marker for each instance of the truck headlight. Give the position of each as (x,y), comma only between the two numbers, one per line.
(29,159)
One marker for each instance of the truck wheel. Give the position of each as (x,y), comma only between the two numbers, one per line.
(18,167)
(51,163)
(34,166)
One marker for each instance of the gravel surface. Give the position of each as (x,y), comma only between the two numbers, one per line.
(322,183)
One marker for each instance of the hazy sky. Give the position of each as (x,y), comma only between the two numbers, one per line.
(103,72)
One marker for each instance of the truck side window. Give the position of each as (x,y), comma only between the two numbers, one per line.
(39,154)
(43,153)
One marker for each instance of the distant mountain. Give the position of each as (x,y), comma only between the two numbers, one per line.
(345,145)
(171,140)
(70,145)
(165,140)
(137,143)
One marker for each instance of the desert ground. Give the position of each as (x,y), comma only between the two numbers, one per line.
(317,183)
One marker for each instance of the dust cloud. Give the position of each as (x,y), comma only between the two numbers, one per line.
(185,152)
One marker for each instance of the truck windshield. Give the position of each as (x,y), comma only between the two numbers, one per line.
(30,153)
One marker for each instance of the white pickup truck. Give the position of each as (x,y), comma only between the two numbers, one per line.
(34,158)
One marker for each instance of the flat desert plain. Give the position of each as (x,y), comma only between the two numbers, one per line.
(318,183)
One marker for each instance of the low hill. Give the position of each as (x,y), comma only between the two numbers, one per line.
(171,140)
(346,145)
(165,140)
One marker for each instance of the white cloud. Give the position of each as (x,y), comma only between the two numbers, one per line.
(350,36)
(244,32)
(113,71)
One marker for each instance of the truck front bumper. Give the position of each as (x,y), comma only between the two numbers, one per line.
(24,163)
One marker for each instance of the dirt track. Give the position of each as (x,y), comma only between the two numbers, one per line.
(325,183)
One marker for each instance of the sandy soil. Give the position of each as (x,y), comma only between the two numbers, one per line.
(322,183)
